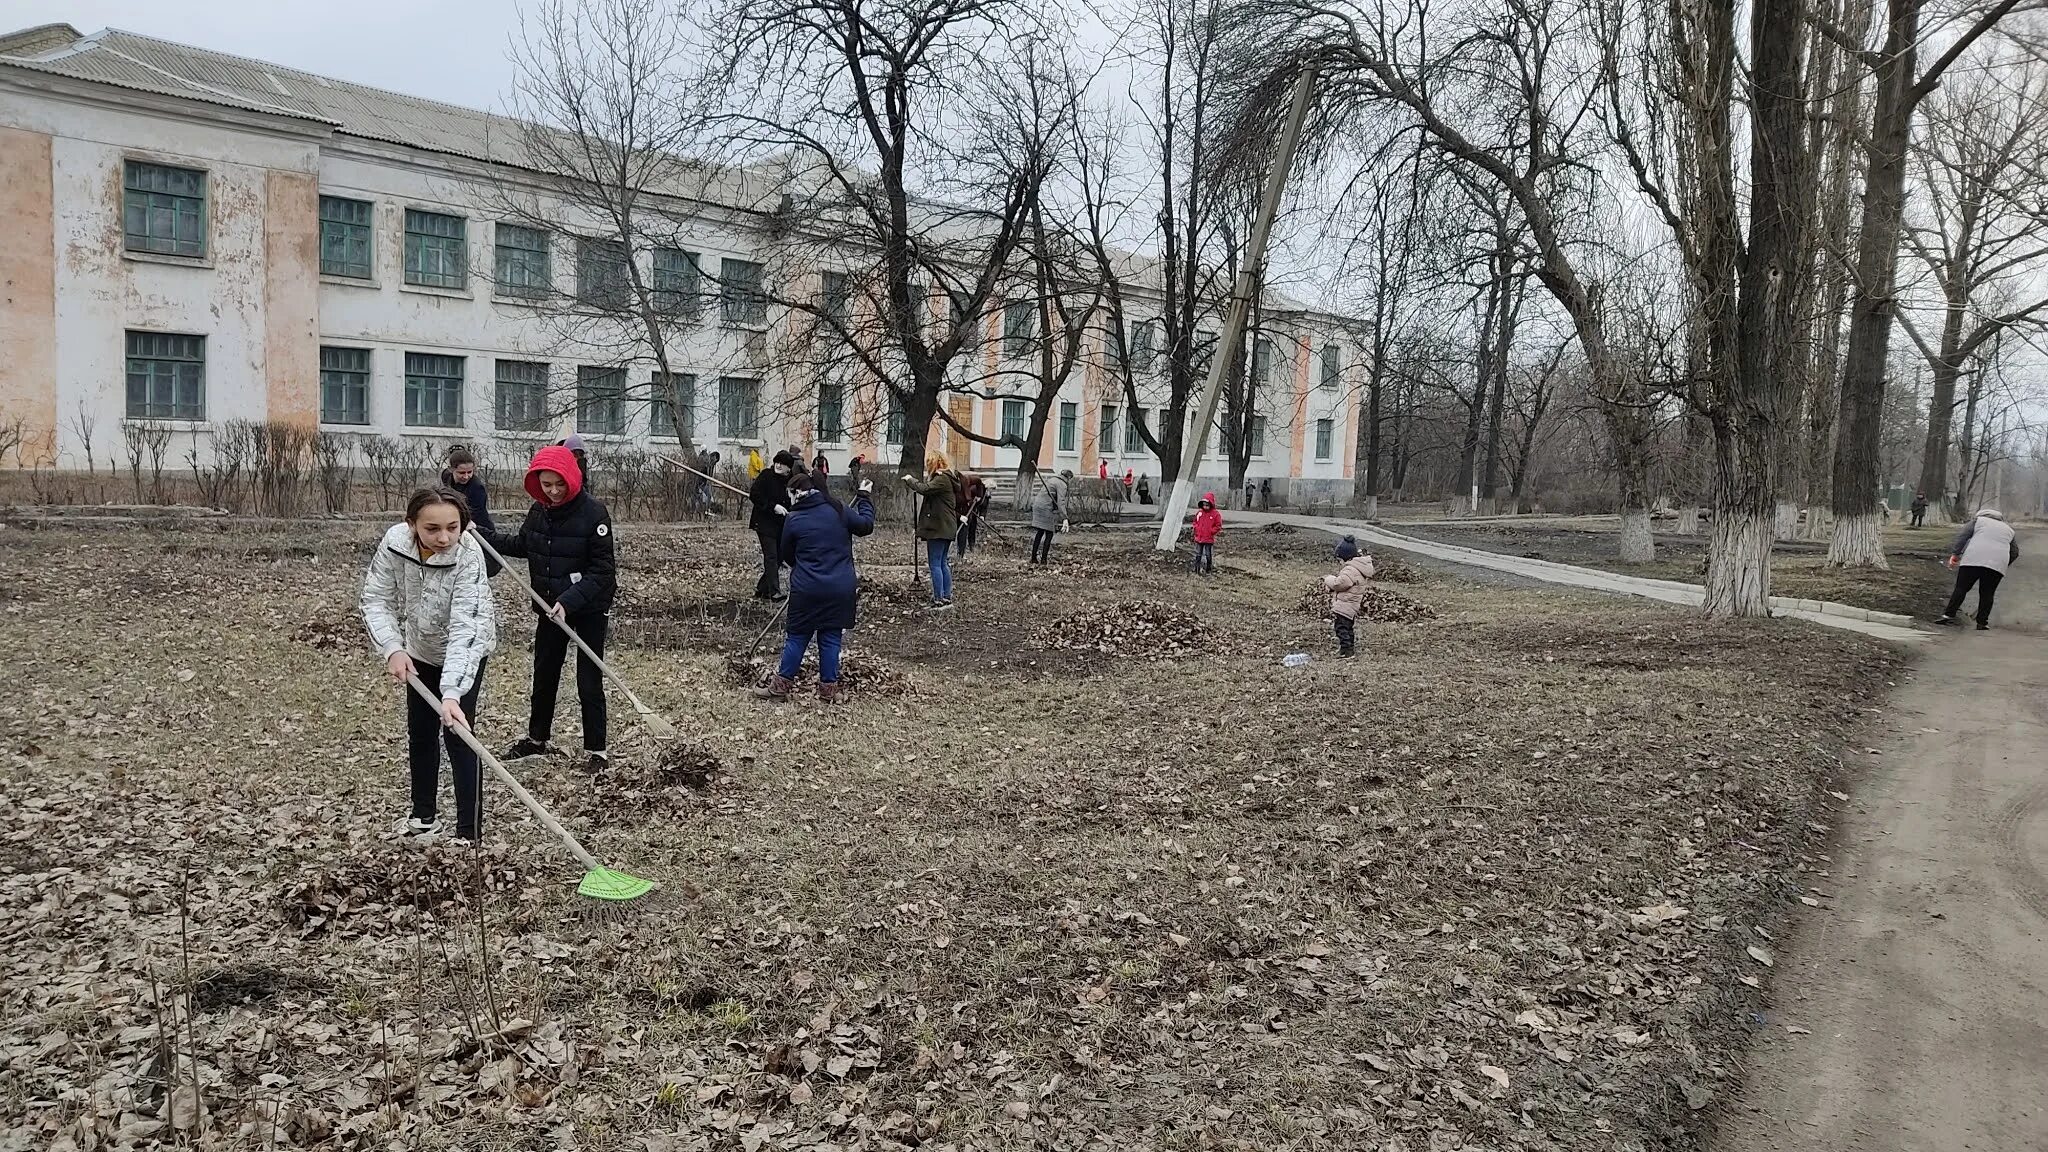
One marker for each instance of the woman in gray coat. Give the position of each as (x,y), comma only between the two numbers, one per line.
(1048,513)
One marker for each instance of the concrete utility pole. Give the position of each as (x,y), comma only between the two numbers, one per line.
(1248,278)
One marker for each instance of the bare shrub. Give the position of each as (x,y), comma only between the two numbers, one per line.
(334,456)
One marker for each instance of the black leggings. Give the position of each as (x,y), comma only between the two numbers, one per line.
(1347,633)
(425,735)
(1986,581)
(1041,545)
(770,583)
(550,648)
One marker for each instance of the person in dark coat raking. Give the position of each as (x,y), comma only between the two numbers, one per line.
(824,589)
(460,478)
(768,495)
(567,542)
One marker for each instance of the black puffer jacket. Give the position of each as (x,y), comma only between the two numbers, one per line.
(770,489)
(568,547)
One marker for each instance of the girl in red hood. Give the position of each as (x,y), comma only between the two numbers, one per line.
(1208,522)
(567,542)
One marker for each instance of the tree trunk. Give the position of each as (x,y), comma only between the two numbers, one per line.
(1941,409)
(1629,428)
(920,408)
(1859,516)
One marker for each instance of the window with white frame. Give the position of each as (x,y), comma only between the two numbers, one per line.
(1105,430)
(1013,419)
(345,237)
(603,279)
(1134,436)
(1332,365)
(1020,328)
(1325,435)
(1258,436)
(1070,427)
(677,282)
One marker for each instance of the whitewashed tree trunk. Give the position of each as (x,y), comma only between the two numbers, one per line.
(1638,546)
(1372,507)
(1739,563)
(1788,520)
(1858,541)
(1689,521)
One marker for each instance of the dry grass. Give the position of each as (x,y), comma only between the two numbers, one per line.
(1048,899)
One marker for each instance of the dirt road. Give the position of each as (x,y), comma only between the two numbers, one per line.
(1923,982)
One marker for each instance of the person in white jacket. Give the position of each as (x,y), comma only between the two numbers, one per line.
(427,603)
(1980,556)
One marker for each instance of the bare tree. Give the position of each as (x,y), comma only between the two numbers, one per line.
(1504,87)
(1901,85)
(606,134)
(903,175)
(1980,230)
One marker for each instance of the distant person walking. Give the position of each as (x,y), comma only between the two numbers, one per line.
(1048,513)
(1919,508)
(1980,557)
(460,478)
(938,522)
(1145,490)
(1266,494)
(1250,491)
(769,495)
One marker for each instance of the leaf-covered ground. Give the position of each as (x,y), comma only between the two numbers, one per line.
(1492,884)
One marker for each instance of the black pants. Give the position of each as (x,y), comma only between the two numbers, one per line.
(1986,582)
(550,647)
(1919,514)
(969,537)
(1041,545)
(1347,633)
(770,583)
(425,735)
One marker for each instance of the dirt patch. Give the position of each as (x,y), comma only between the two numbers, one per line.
(860,673)
(332,629)
(253,983)
(1134,629)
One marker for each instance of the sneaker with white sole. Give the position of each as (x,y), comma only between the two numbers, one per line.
(596,761)
(527,746)
(419,829)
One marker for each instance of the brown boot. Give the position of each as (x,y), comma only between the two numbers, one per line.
(828,693)
(776,689)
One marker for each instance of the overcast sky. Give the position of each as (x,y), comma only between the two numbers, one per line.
(452,50)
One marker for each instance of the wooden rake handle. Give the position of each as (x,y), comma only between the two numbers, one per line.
(541,814)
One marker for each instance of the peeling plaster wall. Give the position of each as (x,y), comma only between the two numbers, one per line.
(28,294)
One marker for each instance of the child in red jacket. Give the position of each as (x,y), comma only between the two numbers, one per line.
(1208,522)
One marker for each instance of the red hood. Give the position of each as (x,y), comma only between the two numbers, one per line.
(1210,497)
(557,459)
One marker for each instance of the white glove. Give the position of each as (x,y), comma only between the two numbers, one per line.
(908,479)
(867,485)
(781,511)
(1063,526)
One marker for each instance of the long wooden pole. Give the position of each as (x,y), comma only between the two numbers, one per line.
(1241,297)
(705,475)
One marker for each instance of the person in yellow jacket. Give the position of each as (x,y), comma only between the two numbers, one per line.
(754,464)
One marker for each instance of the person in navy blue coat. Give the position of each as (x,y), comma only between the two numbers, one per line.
(817,545)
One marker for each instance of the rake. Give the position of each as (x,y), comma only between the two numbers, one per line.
(657,726)
(599,882)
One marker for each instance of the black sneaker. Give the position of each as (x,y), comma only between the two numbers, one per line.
(596,761)
(1948,621)
(528,746)
(1983,627)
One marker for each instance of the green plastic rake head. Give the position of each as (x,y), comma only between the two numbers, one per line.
(605,884)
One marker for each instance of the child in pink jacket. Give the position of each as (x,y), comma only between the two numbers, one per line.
(1208,522)
(1347,592)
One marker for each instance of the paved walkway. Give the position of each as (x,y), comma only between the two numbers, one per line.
(1919,988)
(1884,625)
